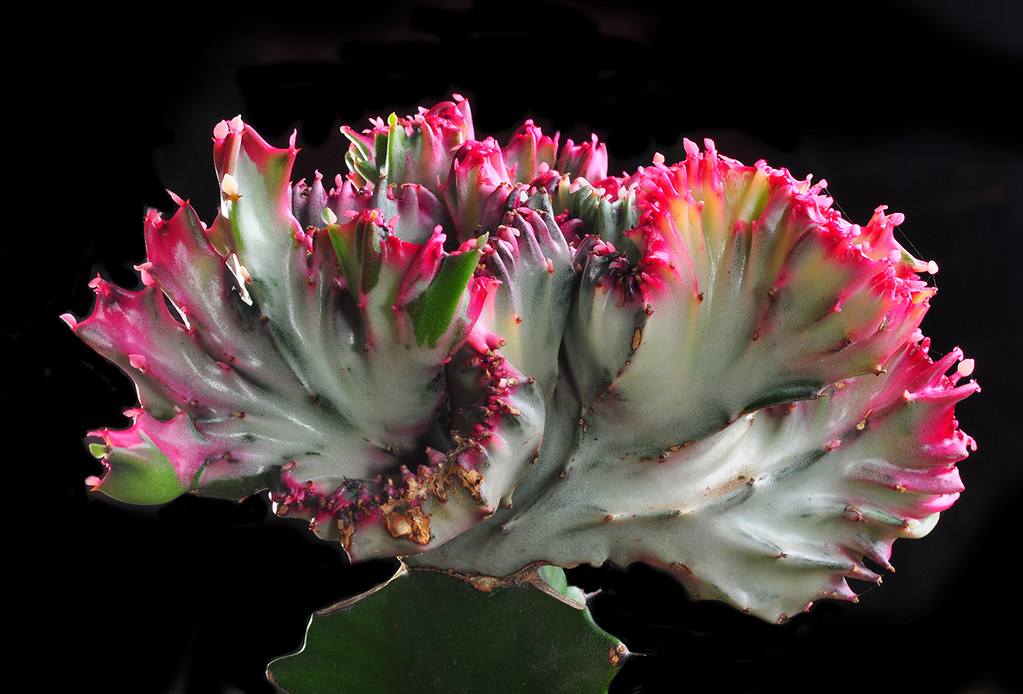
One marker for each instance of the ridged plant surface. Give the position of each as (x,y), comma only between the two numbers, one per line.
(482,357)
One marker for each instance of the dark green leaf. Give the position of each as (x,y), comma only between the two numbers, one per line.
(426,631)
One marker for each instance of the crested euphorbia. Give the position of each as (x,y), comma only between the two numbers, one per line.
(484,358)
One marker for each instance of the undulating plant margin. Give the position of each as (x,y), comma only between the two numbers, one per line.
(486,358)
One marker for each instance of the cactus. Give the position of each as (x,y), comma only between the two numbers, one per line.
(484,359)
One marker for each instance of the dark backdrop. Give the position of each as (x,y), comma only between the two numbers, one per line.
(905,103)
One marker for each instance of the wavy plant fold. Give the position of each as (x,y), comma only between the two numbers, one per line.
(483,358)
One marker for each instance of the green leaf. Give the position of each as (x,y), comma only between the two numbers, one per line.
(139,476)
(433,310)
(426,631)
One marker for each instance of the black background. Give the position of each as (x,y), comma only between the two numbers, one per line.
(905,103)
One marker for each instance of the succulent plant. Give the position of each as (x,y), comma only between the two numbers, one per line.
(484,359)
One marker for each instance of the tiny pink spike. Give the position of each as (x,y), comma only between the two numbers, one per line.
(965,367)
(143,269)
